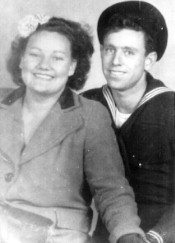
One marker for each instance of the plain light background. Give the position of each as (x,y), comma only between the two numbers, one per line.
(84,11)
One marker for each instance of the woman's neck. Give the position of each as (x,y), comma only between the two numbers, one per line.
(35,103)
(35,110)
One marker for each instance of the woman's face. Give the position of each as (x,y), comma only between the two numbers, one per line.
(47,63)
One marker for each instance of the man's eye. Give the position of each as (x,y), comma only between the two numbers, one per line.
(109,50)
(128,52)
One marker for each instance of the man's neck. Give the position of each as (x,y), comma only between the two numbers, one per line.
(128,100)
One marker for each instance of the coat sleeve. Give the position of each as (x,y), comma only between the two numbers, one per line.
(104,171)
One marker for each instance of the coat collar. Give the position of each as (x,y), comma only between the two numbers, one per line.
(154,88)
(66,99)
(63,119)
(152,83)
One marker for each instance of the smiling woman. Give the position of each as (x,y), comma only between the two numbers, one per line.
(80,46)
(54,144)
(47,63)
(43,60)
(45,68)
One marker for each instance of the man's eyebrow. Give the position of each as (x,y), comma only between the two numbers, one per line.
(130,48)
(122,47)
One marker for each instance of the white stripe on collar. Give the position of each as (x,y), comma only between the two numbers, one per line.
(110,100)
(151,94)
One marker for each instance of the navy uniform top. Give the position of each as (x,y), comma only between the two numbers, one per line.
(147,145)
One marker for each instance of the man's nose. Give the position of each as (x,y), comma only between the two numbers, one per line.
(117,58)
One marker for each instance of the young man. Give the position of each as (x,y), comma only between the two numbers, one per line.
(133,36)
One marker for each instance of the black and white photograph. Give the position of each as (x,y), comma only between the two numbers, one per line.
(87,121)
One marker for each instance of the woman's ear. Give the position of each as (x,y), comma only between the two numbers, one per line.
(21,63)
(150,60)
(72,67)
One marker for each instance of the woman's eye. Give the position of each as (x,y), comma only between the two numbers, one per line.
(55,58)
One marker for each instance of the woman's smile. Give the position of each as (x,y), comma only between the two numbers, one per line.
(43,76)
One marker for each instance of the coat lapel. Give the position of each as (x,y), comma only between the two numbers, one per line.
(63,119)
(57,125)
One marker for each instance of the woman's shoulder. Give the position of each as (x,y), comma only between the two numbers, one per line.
(94,110)
(91,103)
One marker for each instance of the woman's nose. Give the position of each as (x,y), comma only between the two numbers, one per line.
(44,63)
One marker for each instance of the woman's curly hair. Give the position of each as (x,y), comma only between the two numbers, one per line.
(81,49)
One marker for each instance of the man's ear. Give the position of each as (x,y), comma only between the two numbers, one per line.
(150,60)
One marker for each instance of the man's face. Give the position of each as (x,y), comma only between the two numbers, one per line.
(124,59)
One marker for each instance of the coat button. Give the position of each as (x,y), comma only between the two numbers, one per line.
(9,177)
